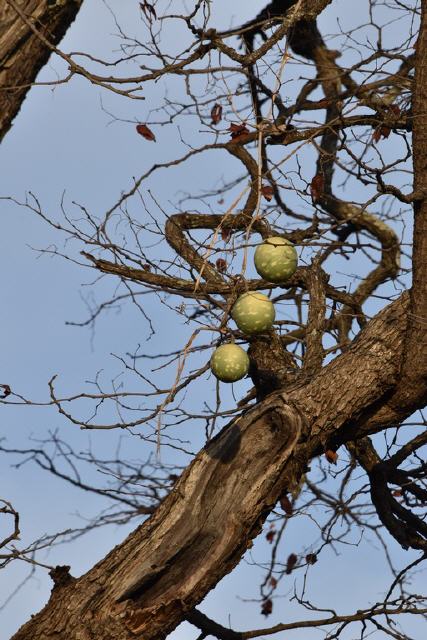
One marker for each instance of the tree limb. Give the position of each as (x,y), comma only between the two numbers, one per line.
(147,585)
(23,54)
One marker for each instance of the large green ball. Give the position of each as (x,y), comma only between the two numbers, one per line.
(253,313)
(276,259)
(229,363)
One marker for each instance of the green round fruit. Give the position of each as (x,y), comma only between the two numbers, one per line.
(229,363)
(276,259)
(253,313)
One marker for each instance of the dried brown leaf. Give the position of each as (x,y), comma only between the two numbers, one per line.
(331,456)
(381,132)
(286,505)
(385,131)
(225,235)
(267,607)
(145,132)
(376,135)
(270,535)
(221,265)
(238,131)
(6,390)
(317,187)
(267,191)
(395,109)
(290,563)
(216,113)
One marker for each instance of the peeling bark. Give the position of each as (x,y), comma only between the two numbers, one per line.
(22,54)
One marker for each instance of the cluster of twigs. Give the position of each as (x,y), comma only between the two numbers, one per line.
(308,120)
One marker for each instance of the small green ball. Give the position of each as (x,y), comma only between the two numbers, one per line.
(276,259)
(229,363)
(253,313)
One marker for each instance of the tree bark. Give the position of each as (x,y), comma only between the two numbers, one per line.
(145,586)
(415,362)
(22,53)
(148,584)
(411,390)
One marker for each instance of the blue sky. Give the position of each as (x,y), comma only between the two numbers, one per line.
(62,140)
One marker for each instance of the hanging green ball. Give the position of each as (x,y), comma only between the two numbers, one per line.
(276,259)
(253,313)
(229,363)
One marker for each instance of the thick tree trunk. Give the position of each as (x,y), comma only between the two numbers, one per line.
(146,585)
(415,364)
(22,53)
(412,388)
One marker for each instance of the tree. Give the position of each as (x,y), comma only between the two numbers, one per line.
(330,184)
(25,46)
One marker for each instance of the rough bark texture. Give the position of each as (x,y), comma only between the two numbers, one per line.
(22,54)
(145,586)
(412,388)
(415,364)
